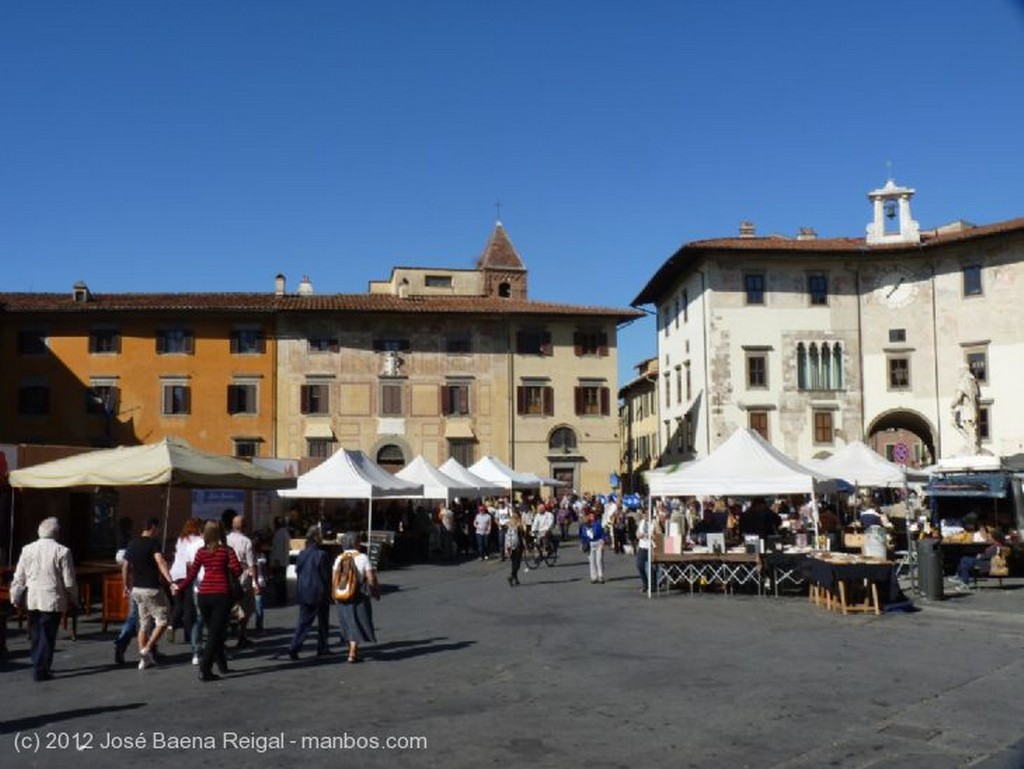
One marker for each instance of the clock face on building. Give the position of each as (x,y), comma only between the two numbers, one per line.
(896,287)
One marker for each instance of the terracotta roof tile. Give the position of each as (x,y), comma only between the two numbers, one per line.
(775,246)
(271,303)
(499,253)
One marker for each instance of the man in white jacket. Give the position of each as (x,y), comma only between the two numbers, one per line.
(46,572)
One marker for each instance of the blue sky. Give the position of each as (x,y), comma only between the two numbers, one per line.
(207,146)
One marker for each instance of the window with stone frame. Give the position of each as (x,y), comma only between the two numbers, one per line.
(248,341)
(534,399)
(314,398)
(592,399)
(824,432)
(977,362)
(590,342)
(754,287)
(899,372)
(175,341)
(242,398)
(533,341)
(817,288)
(104,341)
(972,285)
(177,399)
(757,370)
(455,399)
(391,399)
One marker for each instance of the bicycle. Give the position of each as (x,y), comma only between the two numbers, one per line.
(541,549)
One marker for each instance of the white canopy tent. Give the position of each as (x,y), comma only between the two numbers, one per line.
(495,471)
(859,465)
(172,462)
(745,465)
(351,474)
(436,483)
(482,488)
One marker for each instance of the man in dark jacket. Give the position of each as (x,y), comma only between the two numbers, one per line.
(313,594)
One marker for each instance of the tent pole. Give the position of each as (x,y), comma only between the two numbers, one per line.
(369,523)
(167,516)
(10,542)
(650,542)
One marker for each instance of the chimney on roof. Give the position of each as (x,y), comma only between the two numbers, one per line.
(305,286)
(279,282)
(403,288)
(80,292)
(747,229)
(807,233)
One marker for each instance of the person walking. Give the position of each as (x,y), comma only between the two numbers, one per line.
(515,536)
(313,580)
(143,569)
(592,539)
(44,581)
(183,608)
(482,527)
(246,555)
(643,549)
(213,594)
(280,549)
(355,617)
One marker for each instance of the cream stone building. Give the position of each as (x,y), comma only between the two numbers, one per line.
(639,426)
(448,362)
(815,342)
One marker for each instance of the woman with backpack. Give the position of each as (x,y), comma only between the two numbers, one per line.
(355,613)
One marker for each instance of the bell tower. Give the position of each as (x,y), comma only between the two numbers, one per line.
(892,222)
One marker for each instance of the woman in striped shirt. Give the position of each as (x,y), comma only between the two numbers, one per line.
(214,593)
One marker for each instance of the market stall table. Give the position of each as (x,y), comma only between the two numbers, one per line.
(835,578)
(694,567)
(784,567)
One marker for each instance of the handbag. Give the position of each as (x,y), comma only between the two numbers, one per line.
(235,590)
(997,566)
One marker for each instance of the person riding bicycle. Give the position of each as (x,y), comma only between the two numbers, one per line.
(543,522)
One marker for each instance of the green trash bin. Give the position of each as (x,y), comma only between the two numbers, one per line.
(929,569)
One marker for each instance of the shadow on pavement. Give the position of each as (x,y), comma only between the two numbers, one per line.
(35,722)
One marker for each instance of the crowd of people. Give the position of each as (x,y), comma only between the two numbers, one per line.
(214,582)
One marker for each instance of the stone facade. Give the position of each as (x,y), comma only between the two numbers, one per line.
(816,342)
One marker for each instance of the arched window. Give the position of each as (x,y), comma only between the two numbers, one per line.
(837,366)
(505,290)
(801,367)
(826,367)
(562,439)
(391,458)
(814,367)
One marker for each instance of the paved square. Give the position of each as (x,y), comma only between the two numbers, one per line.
(555,673)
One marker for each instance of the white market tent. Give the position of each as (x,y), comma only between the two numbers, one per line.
(172,462)
(745,465)
(481,488)
(436,484)
(859,465)
(351,474)
(495,471)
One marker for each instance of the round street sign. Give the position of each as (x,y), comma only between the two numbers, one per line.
(900,453)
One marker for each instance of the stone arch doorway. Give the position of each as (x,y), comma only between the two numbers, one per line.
(906,427)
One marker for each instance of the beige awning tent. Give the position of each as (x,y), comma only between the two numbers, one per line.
(172,462)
